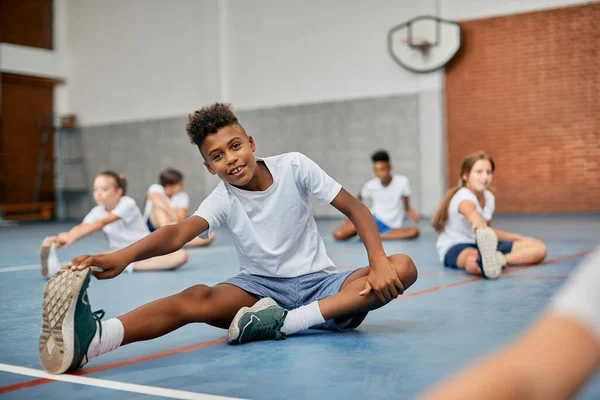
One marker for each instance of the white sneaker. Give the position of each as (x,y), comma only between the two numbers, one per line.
(49,263)
(487,243)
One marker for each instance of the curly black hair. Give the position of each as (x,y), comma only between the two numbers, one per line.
(208,120)
(380,155)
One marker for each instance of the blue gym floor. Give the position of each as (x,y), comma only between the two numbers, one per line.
(444,321)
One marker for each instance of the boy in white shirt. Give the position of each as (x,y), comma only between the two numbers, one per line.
(167,203)
(283,262)
(389,195)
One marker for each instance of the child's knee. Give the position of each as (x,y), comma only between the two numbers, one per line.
(337,235)
(191,301)
(406,269)
(196,293)
(177,259)
(182,256)
(342,233)
(542,250)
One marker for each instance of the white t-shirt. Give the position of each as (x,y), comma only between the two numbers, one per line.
(579,298)
(458,229)
(274,231)
(177,201)
(128,229)
(387,201)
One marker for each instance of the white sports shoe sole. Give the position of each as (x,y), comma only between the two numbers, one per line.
(487,242)
(56,344)
(49,263)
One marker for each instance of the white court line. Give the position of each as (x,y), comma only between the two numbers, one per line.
(20,268)
(106,384)
(192,250)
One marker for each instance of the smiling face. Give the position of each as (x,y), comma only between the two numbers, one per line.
(480,176)
(229,154)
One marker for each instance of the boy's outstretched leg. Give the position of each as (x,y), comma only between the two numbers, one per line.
(72,333)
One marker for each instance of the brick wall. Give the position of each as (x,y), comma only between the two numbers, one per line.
(526,89)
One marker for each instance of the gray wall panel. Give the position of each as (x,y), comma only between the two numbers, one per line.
(339,136)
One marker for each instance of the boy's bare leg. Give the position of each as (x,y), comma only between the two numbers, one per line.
(348,301)
(526,251)
(162,263)
(344,231)
(73,334)
(215,306)
(400,233)
(160,218)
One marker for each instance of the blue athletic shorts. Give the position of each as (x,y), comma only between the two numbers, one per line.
(451,256)
(381,227)
(291,293)
(150,226)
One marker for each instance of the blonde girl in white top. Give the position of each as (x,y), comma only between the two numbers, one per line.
(463,219)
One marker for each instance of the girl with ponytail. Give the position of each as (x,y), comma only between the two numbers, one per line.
(463,218)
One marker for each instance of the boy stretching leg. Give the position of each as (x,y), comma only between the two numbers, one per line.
(287,282)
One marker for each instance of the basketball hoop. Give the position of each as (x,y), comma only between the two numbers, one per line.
(422,45)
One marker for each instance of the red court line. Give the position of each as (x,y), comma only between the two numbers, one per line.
(537,277)
(551,261)
(443,273)
(24,385)
(117,364)
(436,288)
(509,271)
(37,382)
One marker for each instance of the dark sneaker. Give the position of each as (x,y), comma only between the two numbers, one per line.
(49,263)
(487,243)
(262,321)
(68,324)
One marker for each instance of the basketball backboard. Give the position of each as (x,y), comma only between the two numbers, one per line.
(424,43)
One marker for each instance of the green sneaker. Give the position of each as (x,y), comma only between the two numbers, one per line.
(262,321)
(68,324)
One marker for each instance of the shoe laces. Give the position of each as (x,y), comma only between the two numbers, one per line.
(267,329)
(98,315)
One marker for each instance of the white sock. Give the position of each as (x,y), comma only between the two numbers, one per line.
(53,262)
(112,336)
(302,318)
